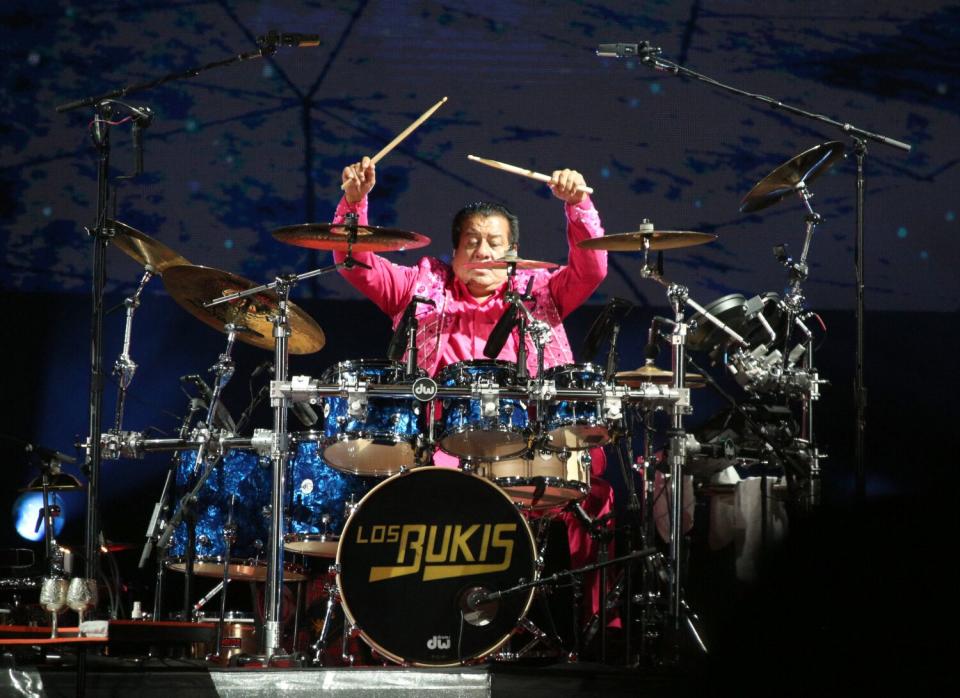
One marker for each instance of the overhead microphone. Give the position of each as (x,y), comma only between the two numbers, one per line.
(274,38)
(644,50)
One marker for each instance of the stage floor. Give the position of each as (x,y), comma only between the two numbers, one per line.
(187,679)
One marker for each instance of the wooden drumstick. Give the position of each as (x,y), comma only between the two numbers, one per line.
(513,169)
(402,135)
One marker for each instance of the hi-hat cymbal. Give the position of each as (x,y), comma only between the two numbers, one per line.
(61,482)
(192,286)
(787,178)
(651,374)
(334,237)
(511,259)
(634,241)
(144,249)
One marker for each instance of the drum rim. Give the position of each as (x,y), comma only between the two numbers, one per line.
(352,470)
(564,368)
(483,459)
(535,572)
(378,363)
(295,572)
(498,363)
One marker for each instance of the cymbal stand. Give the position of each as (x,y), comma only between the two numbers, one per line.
(679,298)
(229,538)
(207,453)
(279,453)
(125,367)
(161,508)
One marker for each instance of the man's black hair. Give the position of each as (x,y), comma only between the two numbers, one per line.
(485,209)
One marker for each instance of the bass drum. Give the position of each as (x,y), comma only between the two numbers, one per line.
(416,557)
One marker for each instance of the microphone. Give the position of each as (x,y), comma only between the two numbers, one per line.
(612,314)
(273,39)
(398,342)
(501,332)
(49,454)
(142,118)
(222,414)
(266,366)
(306,414)
(644,49)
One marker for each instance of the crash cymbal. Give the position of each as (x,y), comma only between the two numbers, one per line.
(510,259)
(61,482)
(785,180)
(144,249)
(651,374)
(658,239)
(192,286)
(370,238)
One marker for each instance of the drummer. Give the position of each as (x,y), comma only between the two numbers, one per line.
(468,302)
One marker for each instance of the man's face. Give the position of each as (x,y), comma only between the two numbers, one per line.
(482,238)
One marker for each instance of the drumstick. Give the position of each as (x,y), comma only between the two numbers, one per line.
(496,164)
(402,135)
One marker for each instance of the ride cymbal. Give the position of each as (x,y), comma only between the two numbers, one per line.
(336,238)
(788,177)
(638,240)
(144,249)
(507,261)
(192,286)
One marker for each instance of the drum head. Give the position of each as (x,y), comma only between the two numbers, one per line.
(416,556)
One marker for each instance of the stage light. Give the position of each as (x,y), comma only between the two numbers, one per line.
(26,515)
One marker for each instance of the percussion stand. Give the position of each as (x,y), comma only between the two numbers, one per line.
(270,646)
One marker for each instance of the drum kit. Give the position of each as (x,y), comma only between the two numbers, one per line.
(435,565)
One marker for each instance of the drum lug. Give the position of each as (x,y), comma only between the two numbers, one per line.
(488,395)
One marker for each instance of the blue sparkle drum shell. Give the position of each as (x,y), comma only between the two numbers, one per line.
(320,498)
(243,477)
(465,431)
(381,440)
(572,425)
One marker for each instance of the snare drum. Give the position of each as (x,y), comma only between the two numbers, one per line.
(470,433)
(542,480)
(380,440)
(320,498)
(239,482)
(416,558)
(576,424)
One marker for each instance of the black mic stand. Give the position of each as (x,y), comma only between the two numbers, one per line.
(650,56)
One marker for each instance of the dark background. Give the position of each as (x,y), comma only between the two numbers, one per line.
(237,152)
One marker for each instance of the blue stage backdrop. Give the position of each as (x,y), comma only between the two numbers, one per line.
(236,152)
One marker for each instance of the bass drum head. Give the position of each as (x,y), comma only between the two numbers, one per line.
(417,554)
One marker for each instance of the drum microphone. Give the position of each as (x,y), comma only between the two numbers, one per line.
(500,333)
(613,313)
(222,414)
(266,366)
(398,343)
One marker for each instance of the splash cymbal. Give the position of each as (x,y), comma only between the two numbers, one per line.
(651,374)
(143,249)
(192,286)
(788,177)
(506,261)
(335,237)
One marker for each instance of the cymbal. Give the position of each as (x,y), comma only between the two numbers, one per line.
(329,236)
(61,482)
(651,374)
(785,180)
(144,249)
(192,286)
(505,262)
(659,240)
